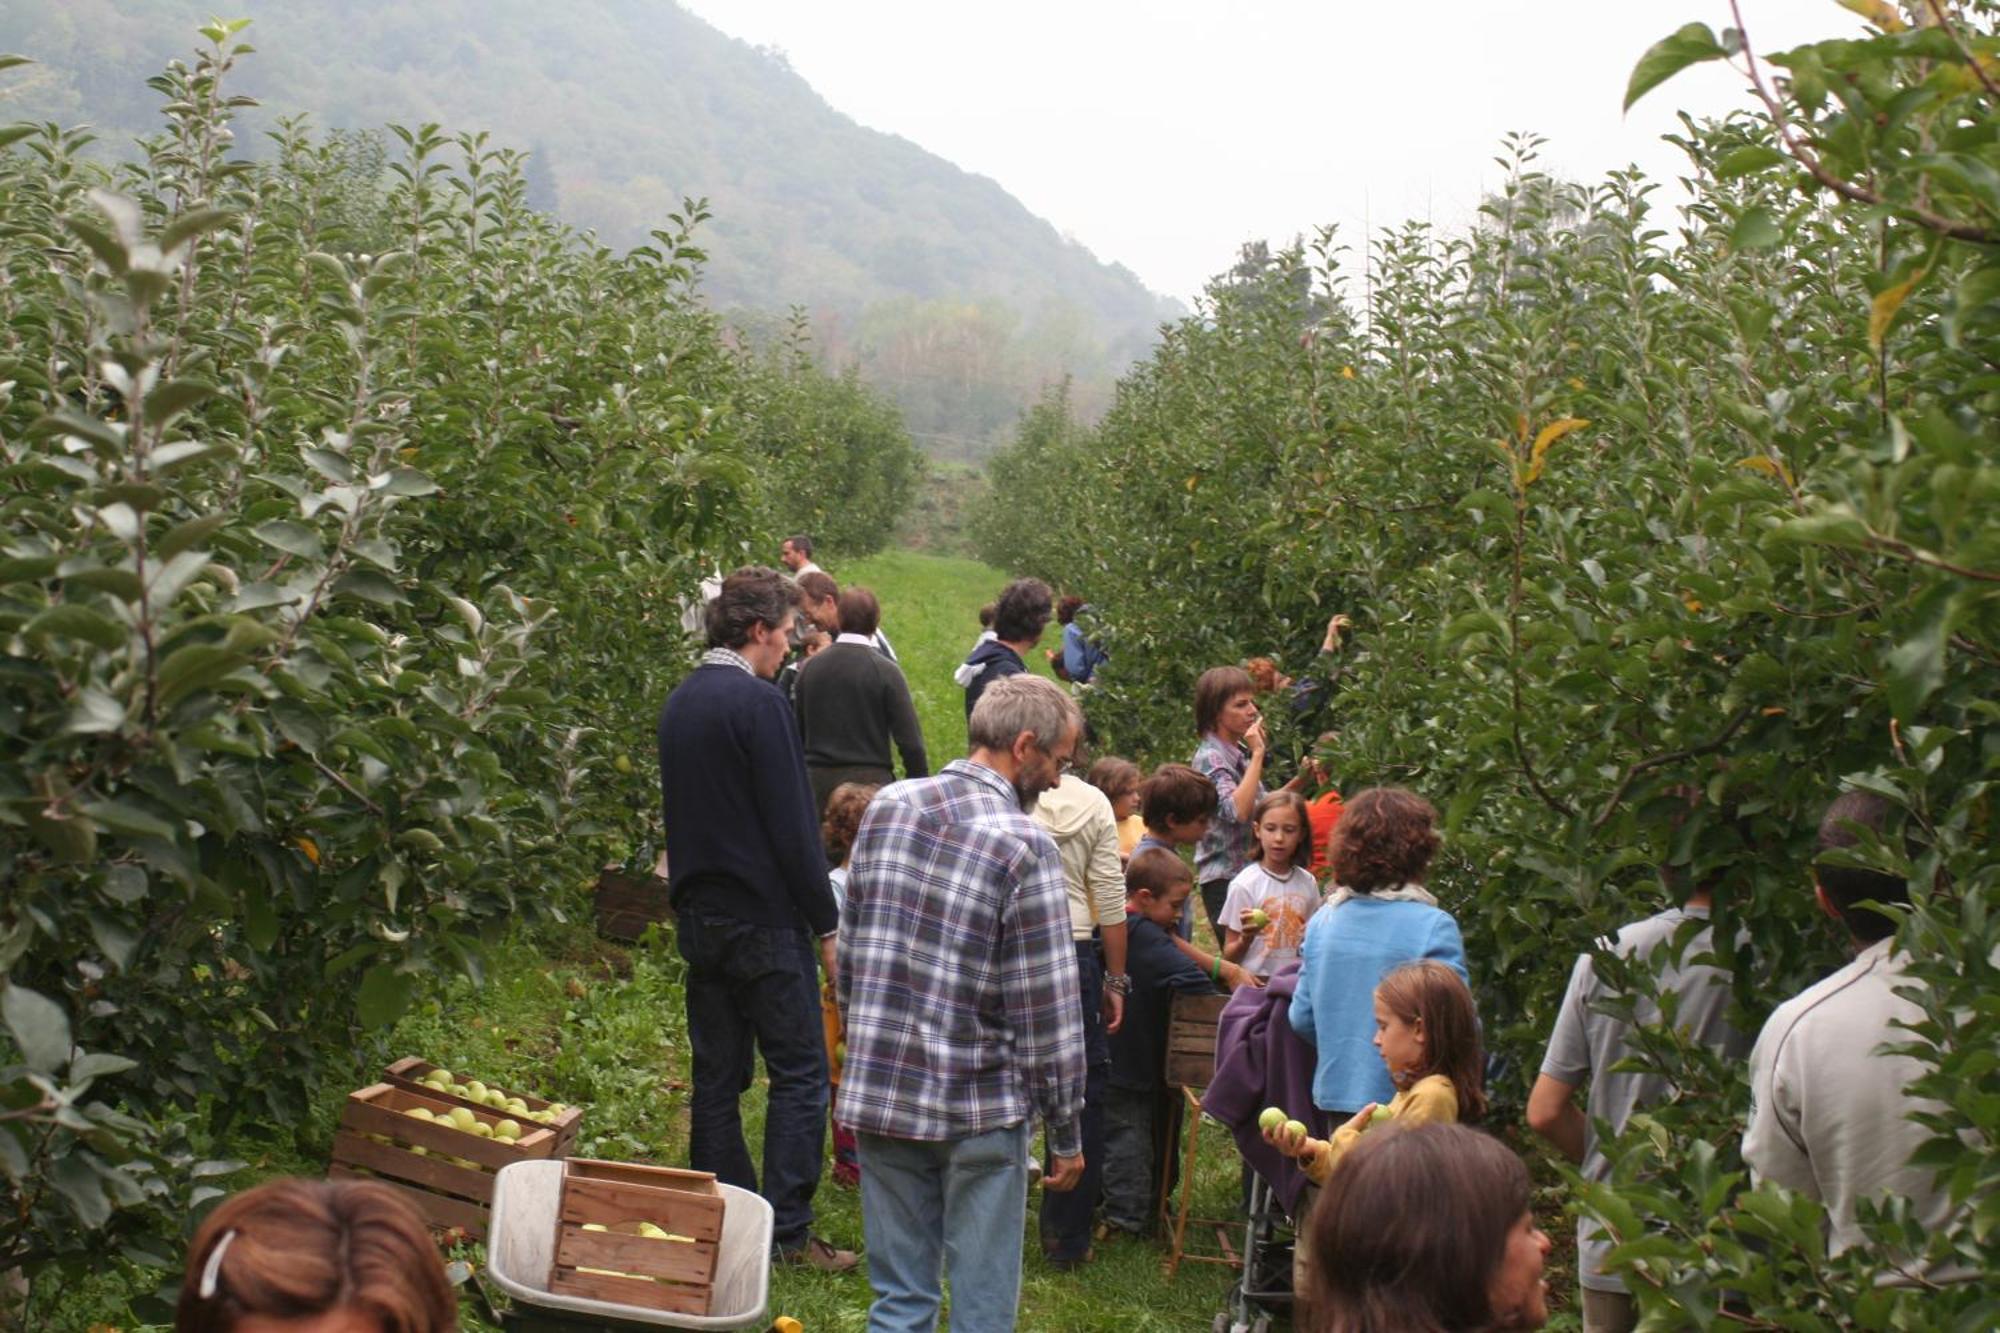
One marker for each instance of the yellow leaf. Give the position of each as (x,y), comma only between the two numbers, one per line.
(1575,384)
(310,848)
(1769,466)
(1193,482)
(1521,427)
(1882,310)
(1550,433)
(1347,372)
(1691,603)
(1878,12)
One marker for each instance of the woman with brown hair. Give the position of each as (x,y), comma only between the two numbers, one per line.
(1378,915)
(315,1256)
(1427,1230)
(1231,755)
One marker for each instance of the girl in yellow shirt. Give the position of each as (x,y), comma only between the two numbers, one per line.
(1428,1034)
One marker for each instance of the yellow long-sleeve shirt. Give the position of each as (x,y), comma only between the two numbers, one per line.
(1431,1099)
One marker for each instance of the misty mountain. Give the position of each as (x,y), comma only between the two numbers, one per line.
(944,288)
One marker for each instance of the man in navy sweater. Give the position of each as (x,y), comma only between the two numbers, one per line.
(751,898)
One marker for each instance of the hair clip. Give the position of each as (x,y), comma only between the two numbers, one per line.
(212,1271)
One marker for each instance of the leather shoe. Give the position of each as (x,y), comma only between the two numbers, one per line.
(820,1254)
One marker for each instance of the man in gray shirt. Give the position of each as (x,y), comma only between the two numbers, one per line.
(1587,1042)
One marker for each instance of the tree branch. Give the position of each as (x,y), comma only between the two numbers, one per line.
(1958,40)
(1840,185)
(1729,729)
(1902,550)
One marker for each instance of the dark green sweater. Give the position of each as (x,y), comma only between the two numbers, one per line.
(852,702)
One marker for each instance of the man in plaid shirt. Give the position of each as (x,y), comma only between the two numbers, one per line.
(957,975)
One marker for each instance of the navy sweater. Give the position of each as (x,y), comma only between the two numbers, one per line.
(742,840)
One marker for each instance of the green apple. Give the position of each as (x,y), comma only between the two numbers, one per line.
(685,1240)
(509,1130)
(595,1226)
(441,1075)
(460,1090)
(482,1129)
(420,1150)
(1382,1113)
(419,1113)
(1295,1130)
(517,1106)
(1271,1119)
(652,1232)
(840,1052)
(1257,918)
(475,1090)
(463,1118)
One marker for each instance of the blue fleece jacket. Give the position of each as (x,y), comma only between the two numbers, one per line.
(1348,947)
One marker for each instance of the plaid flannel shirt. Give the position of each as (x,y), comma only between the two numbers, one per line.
(957,971)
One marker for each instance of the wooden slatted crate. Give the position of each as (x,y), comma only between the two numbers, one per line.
(1191,1039)
(408,1074)
(449,1194)
(622,1266)
(628,903)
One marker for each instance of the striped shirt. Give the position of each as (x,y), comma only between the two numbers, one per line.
(957,971)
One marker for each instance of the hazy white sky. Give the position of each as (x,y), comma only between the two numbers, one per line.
(1164,133)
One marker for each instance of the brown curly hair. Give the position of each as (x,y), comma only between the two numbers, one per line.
(1385,838)
(842,819)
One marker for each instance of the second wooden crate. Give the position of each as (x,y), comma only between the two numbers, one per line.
(1191,1039)
(617,1264)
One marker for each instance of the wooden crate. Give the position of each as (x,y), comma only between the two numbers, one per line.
(449,1195)
(408,1074)
(1191,1039)
(628,903)
(674,1276)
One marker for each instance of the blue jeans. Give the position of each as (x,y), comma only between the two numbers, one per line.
(956,1208)
(1065,1217)
(755,988)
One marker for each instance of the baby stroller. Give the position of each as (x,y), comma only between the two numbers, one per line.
(1260,1062)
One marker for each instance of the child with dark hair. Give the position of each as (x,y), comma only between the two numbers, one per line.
(1176,804)
(842,820)
(1271,899)
(1141,1112)
(1119,780)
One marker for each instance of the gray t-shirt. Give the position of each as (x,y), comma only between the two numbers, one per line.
(1586,1043)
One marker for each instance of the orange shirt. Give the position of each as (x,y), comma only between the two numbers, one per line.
(1324,812)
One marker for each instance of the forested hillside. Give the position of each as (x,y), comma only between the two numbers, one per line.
(939,284)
